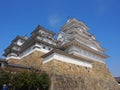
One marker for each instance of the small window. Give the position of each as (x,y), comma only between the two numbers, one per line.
(49,48)
(44,47)
(21,41)
(0,64)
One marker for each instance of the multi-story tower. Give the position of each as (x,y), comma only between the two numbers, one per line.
(76,40)
(14,49)
(41,39)
(74,61)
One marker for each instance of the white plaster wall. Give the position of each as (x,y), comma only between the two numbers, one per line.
(27,51)
(43,32)
(67,60)
(84,53)
(46,40)
(12,54)
(31,50)
(20,42)
(2,65)
(15,48)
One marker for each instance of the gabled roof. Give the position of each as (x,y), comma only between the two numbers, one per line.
(78,44)
(15,65)
(9,51)
(19,66)
(9,48)
(20,37)
(42,28)
(74,20)
(31,41)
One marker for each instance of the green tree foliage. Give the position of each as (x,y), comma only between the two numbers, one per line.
(24,80)
(4,78)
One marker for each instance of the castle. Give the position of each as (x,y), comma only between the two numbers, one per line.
(74,60)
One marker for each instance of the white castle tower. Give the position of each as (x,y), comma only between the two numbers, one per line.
(76,40)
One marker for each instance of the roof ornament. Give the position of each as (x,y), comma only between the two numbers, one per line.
(68,19)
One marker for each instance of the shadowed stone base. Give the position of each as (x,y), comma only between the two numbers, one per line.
(66,76)
(82,83)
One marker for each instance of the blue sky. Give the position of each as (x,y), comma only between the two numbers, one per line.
(21,17)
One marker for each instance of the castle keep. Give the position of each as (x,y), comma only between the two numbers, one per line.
(74,61)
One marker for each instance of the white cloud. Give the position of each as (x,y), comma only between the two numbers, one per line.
(54,20)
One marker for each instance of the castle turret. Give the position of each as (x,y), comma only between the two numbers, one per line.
(41,39)
(76,40)
(14,48)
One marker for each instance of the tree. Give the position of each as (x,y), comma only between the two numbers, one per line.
(4,78)
(25,80)
(45,81)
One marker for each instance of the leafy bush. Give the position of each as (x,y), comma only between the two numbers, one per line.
(24,80)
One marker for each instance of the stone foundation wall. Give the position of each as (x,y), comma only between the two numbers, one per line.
(82,83)
(34,59)
(66,76)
